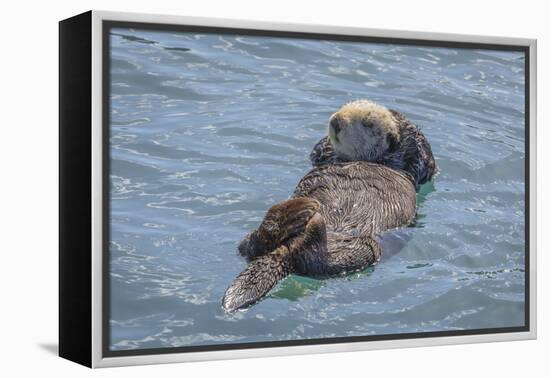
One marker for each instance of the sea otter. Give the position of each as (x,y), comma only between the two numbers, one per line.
(364,181)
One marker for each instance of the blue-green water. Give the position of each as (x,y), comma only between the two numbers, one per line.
(209,131)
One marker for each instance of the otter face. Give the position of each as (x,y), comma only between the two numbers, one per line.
(362,130)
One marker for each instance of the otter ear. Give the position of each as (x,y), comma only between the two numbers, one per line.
(393,141)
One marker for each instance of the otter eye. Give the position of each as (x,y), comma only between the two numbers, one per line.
(366,124)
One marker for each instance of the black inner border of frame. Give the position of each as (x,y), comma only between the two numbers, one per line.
(106,294)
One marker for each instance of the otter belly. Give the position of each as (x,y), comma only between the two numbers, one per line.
(360,197)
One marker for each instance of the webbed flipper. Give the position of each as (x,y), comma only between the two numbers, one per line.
(281,223)
(351,254)
(314,255)
(264,272)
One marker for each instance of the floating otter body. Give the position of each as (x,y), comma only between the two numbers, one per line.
(364,182)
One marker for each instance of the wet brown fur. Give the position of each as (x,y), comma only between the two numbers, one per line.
(328,226)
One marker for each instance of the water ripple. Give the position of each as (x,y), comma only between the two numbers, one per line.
(209,131)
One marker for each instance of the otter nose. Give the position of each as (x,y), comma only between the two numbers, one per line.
(335,124)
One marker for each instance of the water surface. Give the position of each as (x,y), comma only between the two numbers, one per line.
(209,131)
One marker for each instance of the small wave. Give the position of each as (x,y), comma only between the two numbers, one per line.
(179,49)
(133,38)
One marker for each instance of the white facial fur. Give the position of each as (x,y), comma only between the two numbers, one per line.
(364,129)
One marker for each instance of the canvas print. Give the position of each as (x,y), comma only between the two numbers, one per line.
(270,189)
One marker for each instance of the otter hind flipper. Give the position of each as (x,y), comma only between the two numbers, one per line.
(282,222)
(353,255)
(260,276)
(344,253)
(300,229)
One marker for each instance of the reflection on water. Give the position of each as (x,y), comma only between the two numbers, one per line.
(209,131)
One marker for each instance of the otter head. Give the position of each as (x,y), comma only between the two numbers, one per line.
(363,130)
